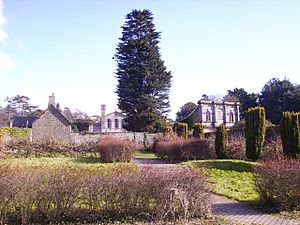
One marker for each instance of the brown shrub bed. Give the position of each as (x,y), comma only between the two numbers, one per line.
(48,148)
(278,184)
(48,195)
(116,150)
(179,149)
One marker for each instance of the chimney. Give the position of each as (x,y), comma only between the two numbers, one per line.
(103,118)
(52,100)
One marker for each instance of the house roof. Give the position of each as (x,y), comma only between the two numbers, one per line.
(58,115)
(23,121)
(116,113)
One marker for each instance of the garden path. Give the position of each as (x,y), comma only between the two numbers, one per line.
(235,212)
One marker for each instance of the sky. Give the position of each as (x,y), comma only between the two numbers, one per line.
(66,47)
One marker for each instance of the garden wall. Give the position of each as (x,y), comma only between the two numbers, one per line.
(140,138)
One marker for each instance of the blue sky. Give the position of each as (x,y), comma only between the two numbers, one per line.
(66,47)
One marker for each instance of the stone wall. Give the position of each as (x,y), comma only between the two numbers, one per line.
(141,139)
(48,127)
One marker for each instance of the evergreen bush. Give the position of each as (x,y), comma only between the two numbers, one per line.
(198,130)
(181,129)
(221,142)
(290,133)
(255,130)
(168,130)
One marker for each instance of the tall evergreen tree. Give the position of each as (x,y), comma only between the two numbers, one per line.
(143,81)
(278,96)
(247,100)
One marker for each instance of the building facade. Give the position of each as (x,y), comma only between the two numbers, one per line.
(112,122)
(212,114)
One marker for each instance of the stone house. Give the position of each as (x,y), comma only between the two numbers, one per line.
(112,122)
(213,114)
(51,125)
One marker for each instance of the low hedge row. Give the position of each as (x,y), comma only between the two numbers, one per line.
(49,195)
(179,149)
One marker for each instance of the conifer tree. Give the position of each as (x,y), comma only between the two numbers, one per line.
(221,142)
(255,131)
(143,80)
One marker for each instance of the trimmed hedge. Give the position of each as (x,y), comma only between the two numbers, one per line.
(39,195)
(179,150)
(181,129)
(116,150)
(255,131)
(198,130)
(290,133)
(221,142)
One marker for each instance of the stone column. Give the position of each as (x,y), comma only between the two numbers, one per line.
(237,111)
(103,118)
(213,112)
(224,113)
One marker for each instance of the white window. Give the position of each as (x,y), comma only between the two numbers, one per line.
(231,118)
(109,123)
(116,123)
(208,116)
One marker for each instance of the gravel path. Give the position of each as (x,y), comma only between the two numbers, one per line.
(235,212)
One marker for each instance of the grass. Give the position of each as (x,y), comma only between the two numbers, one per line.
(145,155)
(79,162)
(230,178)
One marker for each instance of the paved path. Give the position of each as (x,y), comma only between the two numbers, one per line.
(241,213)
(235,212)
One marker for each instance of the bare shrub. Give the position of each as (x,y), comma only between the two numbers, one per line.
(278,184)
(168,136)
(116,150)
(184,195)
(180,149)
(272,149)
(44,195)
(236,148)
(49,148)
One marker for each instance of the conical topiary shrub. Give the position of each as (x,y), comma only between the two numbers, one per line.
(255,131)
(221,142)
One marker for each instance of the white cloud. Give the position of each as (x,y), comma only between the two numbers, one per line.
(3,21)
(6,61)
(21,45)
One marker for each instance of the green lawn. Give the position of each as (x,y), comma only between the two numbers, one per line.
(145,155)
(79,162)
(230,178)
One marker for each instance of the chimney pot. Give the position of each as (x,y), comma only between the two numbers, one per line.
(52,100)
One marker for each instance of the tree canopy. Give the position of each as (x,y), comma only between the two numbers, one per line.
(278,96)
(143,80)
(247,100)
(185,110)
(20,105)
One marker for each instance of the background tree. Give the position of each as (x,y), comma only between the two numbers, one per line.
(185,110)
(247,100)
(143,81)
(279,96)
(83,124)
(20,105)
